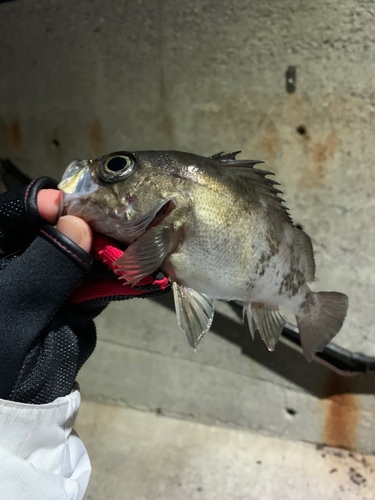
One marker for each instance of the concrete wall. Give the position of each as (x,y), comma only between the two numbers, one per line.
(78,79)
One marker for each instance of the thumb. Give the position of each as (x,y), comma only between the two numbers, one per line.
(77,230)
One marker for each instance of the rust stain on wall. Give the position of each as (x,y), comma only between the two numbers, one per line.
(322,152)
(11,133)
(341,417)
(319,156)
(269,142)
(319,159)
(96,139)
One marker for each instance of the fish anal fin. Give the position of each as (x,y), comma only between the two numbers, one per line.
(147,254)
(195,312)
(269,322)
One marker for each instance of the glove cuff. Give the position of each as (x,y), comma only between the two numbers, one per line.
(66,246)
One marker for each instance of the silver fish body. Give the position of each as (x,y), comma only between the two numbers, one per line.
(217,228)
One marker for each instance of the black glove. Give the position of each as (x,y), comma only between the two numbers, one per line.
(46,332)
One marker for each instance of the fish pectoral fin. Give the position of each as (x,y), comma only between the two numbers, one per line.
(270,323)
(195,312)
(147,254)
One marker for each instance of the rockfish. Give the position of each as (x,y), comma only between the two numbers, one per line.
(217,228)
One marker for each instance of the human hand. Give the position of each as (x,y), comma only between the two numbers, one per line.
(48,201)
(40,265)
(54,288)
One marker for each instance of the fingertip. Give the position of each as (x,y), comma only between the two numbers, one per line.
(87,239)
(77,230)
(48,201)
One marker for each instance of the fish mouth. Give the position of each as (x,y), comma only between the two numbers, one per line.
(77,180)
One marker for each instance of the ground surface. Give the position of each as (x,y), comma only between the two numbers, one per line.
(143,456)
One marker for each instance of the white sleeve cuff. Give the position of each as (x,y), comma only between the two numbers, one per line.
(41,456)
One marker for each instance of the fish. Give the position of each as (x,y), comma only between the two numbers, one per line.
(218,229)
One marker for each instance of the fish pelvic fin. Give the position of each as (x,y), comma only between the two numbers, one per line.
(195,313)
(269,322)
(146,255)
(325,317)
(250,319)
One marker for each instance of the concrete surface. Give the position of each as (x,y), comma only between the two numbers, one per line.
(142,456)
(143,361)
(79,79)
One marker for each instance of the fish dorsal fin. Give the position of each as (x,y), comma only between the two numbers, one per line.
(256,182)
(255,179)
(229,159)
(306,255)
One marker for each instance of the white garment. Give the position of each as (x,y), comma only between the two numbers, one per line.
(41,456)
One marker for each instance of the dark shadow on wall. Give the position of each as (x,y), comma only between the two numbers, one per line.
(286,362)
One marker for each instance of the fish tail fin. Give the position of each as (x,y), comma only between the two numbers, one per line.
(323,320)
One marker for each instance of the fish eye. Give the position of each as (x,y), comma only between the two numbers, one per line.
(116,168)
